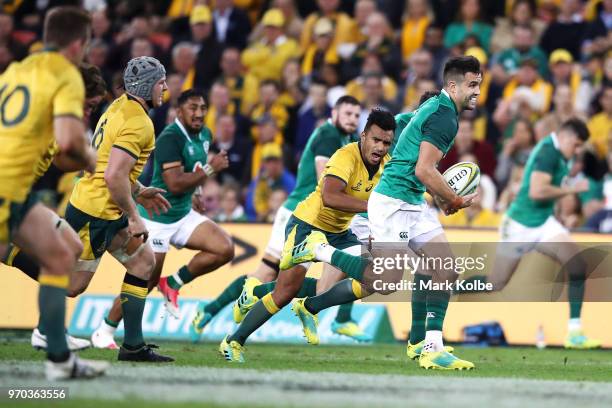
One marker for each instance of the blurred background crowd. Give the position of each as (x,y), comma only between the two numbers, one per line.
(272,69)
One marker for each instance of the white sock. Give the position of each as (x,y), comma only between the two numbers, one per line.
(107,328)
(574,325)
(324,252)
(433,341)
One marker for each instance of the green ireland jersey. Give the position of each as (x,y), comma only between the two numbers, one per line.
(435,122)
(174,144)
(324,141)
(546,158)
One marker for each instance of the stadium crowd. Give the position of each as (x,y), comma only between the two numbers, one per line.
(273,68)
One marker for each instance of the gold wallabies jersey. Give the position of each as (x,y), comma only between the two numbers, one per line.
(125,125)
(32,93)
(347,165)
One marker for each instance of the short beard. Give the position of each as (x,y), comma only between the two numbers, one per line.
(341,129)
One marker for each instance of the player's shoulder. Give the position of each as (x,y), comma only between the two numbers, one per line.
(350,150)
(58,67)
(324,132)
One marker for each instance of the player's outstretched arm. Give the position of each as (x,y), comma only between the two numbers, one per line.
(334,196)
(72,142)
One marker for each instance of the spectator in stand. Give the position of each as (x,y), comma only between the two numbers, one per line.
(330,74)
(15,51)
(220,104)
(230,209)
(434,43)
(293,22)
(567,31)
(380,43)
(597,34)
(371,66)
(231,24)
(373,97)
(416,21)
(231,74)
(210,198)
(269,105)
(207,48)
(464,144)
(238,148)
(266,58)
(346,30)
(420,68)
(527,95)
(469,24)
(363,9)
(563,71)
(97,54)
(506,64)
(514,152)
(600,124)
(183,62)
(563,110)
(292,95)
(313,113)
(512,188)
(271,176)
(322,51)
(276,201)
(522,14)
(141,47)
(161,116)
(569,212)
(101,27)
(421,86)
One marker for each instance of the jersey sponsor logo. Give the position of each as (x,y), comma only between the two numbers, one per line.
(369,188)
(357,187)
(403,235)
(206,145)
(190,150)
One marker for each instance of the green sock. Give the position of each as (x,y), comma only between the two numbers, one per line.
(308,288)
(257,316)
(52,306)
(347,290)
(352,265)
(180,278)
(230,294)
(133,297)
(419,308)
(576,273)
(344,313)
(437,303)
(111,322)
(40,326)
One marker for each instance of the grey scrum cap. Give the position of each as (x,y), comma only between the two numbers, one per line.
(141,74)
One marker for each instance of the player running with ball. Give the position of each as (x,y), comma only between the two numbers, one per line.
(399,214)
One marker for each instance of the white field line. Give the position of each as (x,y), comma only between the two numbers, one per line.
(303,389)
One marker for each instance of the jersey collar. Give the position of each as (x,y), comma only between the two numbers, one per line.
(555,140)
(443,92)
(183,130)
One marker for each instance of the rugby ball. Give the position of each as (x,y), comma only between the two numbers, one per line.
(463,178)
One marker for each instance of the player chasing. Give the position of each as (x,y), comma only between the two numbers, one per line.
(322,144)
(95,89)
(399,214)
(530,224)
(342,191)
(180,167)
(32,117)
(102,206)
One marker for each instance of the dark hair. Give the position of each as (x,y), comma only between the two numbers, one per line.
(65,24)
(272,82)
(530,3)
(577,127)
(92,78)
(427,95)
(346,99)
(456,68)
(381,118)
(190,93)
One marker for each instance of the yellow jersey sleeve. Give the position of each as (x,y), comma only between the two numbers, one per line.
(133,137)
(341,165)
(70,96)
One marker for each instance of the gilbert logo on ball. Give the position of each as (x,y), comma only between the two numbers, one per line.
(463,177)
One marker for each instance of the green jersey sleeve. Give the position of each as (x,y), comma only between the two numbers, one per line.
(325,144)
(439,131)
(169,149)
(547,160)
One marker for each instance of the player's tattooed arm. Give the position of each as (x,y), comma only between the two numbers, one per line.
(334,196)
